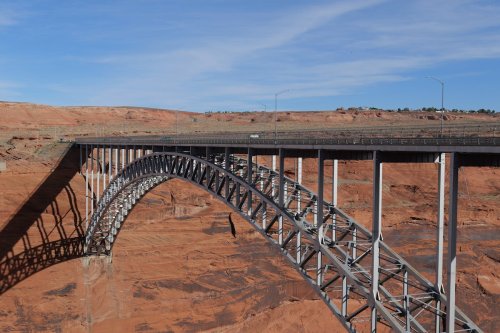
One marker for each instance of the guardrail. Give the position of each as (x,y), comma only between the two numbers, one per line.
(436,141)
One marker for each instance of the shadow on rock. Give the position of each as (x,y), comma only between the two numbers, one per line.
(18,262)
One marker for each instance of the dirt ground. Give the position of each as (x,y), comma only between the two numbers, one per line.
(176,266)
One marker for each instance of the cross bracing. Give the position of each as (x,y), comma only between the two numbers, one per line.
(333,252)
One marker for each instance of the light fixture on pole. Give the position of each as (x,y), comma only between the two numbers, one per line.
(276,110)
(442,98)
(176,122)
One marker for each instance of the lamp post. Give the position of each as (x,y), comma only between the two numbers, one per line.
(442,98)
(276,110)
(176,122)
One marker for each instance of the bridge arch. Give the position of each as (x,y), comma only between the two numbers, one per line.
(335,265)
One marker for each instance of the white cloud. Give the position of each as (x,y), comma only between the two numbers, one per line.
(168,71)
(8,16)
(356,49)
(6,20)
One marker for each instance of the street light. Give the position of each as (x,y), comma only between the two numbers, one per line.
(176,122)
(276,110)
(442,98)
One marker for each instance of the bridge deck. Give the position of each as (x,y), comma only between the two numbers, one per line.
(476,145)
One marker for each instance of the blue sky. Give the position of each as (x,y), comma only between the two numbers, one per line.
(202,55)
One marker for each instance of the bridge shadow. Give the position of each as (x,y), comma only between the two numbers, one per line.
(41,234)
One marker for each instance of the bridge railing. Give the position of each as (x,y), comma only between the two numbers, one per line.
(405,141)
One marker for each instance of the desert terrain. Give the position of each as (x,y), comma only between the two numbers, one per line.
(176,267)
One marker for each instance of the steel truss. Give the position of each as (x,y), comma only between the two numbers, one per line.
(331,251)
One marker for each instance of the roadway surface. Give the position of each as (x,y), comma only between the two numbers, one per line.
(482,145)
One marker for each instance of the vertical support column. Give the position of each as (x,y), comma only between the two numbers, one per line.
(104,171)
(273,182)
(117,159)
(227,156)
(299,198)
(216,175)
(264,216)
(98,181)
(110,164)
(335,182)
(122,153)
(319,213)
(452,243)
(345,296)
(92,180)
(440,237)
(86,187)
(354,252)
(376,233)
(406,301)
(321,181)
(249,179)
(299,180)
(281,197)
(285,193)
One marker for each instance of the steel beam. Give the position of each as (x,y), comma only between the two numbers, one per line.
(319,212)
(376,234)
(299,181)
(86,187)
(345,296)
(98,181)
(299,198)
(335,174)
(281,197)
(273,181)
(362,146)
(249,179)
(452,243)
(319,207)
(406,302)
(92,179)
(440,237)
(227,156)
(122,153)
(117,160)
(103,168)
(110,164)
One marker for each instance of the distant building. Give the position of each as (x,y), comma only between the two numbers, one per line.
(3,165)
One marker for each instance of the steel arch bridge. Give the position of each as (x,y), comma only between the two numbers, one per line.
(337,256)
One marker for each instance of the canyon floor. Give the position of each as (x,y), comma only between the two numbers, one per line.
(176,267)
